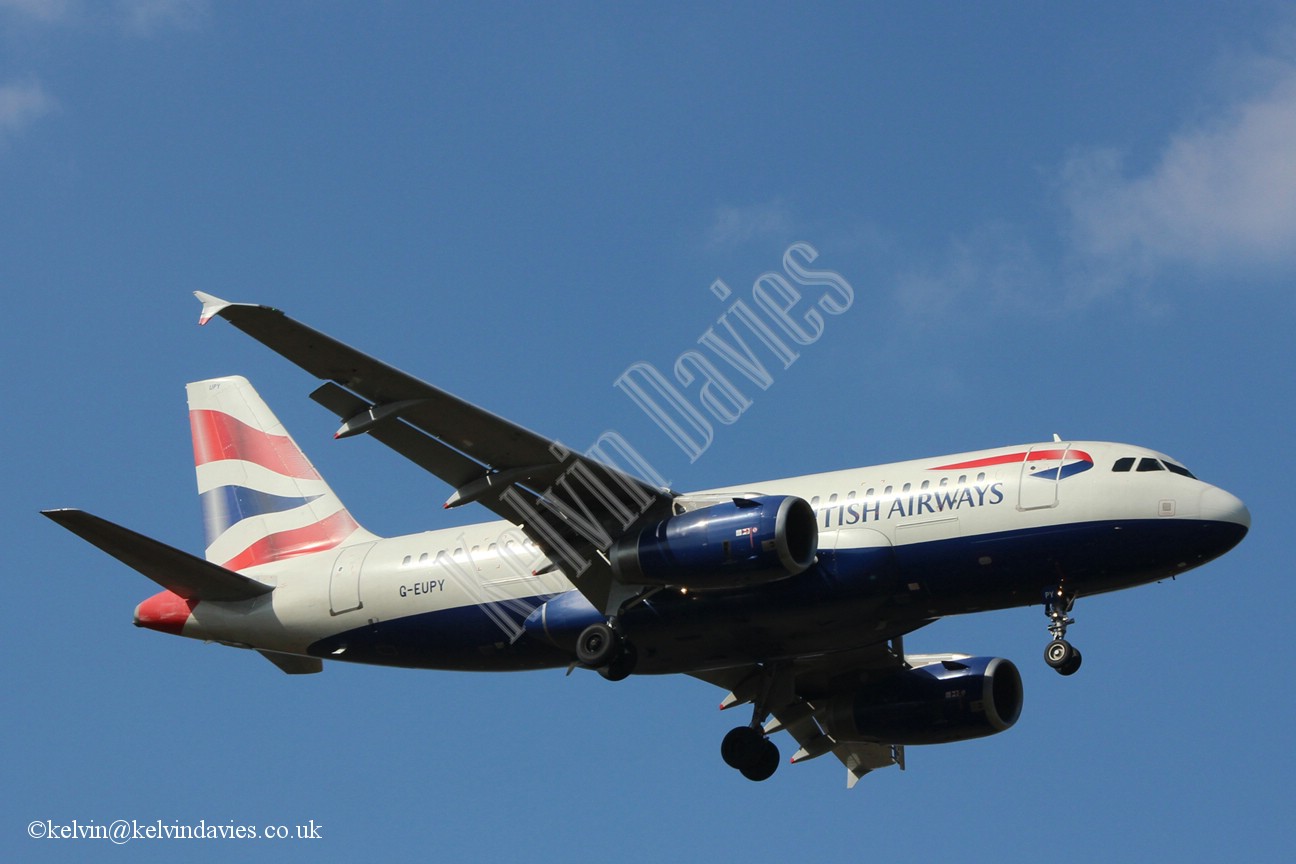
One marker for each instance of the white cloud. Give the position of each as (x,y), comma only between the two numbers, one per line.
(146,17)
(20,106)
(993,268)
(134,17)
(731,226)
(41,10)
(1221,194)
(1217,197)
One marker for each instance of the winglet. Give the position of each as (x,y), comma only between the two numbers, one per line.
(212,306)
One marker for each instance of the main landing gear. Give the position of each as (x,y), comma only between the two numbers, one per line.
(747,749)
(1060,654)
(603,648)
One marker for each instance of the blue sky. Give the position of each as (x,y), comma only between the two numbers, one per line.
(1055,218)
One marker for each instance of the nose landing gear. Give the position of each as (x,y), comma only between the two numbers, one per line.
(1060,654)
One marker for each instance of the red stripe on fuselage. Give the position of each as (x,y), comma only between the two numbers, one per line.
(218,436)
(1035,455)
(318,537)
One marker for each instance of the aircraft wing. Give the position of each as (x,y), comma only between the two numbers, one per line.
(573,507)
(796,693)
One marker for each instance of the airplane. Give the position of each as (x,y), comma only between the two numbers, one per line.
(793,595)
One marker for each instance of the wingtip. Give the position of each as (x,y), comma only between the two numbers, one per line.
(212,306)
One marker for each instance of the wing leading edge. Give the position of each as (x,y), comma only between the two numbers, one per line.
(572,506)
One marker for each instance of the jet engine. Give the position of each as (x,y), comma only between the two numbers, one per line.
(949,700)
(744,541)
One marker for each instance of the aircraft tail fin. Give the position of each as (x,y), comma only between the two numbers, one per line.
(262,500)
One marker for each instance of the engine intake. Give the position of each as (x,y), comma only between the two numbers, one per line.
(741,542)
(952,700)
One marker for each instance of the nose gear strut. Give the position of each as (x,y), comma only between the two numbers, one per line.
(1060,654)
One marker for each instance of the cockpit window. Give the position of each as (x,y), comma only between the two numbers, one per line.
(1178,469)
(1149,464)
(1124,464)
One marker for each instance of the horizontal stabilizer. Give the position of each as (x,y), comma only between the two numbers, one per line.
(179,572)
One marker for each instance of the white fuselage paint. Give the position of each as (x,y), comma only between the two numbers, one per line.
(899,504)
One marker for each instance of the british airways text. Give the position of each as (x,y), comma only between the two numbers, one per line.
(908,502)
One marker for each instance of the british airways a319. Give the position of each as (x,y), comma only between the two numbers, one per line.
(792,595)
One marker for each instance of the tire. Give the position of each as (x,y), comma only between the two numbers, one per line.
(597,645)
(765,764)
(1072,665)
(1058,654)
(742,746)
(621,666)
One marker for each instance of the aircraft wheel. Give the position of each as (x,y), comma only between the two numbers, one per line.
(765,764)
(1059,654)
(597,646)
(622,665)
(741,747)
(1072,665)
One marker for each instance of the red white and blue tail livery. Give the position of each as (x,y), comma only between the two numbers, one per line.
(262,500)
(794,595)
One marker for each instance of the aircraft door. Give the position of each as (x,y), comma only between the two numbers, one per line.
(344,581)
(1037,487)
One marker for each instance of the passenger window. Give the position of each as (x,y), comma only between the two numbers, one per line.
(1124,464)
(1148,464)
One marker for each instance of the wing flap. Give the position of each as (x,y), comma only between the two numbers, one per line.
(794,692)
(186,575)
(860,759)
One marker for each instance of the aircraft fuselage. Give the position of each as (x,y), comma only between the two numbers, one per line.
(899,546)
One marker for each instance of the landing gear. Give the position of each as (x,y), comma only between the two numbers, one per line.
(1060,654)
(601,647)
(747,749)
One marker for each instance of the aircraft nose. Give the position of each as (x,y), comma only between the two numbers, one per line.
(1220,506)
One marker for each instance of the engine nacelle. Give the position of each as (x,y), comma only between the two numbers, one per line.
(744,541)
(952,700)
